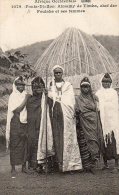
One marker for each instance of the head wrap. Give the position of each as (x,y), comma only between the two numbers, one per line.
(85,81)
(18,80)
(57,66)
(107,78)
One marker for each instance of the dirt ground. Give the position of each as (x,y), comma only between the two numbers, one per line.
(101,183)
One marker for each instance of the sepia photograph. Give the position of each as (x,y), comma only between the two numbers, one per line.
(59,97)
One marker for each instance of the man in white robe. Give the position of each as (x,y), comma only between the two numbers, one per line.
(63,123)
(109,113)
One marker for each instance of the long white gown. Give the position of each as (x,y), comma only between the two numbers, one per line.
(109,112)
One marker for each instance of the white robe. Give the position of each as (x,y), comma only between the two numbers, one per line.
(109,112)
(71,153)
(41,152)
(15,100)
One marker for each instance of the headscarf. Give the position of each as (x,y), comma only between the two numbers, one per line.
(57,66)
(85,81)
(37,80)
(107,78)
(15,100)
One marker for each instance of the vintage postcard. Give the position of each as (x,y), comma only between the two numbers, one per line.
(59,97)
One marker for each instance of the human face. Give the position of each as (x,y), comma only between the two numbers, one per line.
(58,74)
(85,89)
(106,85)
(20,87)
(37,88)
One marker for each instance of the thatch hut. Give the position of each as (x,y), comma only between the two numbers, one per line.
(78,53)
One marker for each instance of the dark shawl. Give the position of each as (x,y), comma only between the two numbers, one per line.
(33,119)
(89,121)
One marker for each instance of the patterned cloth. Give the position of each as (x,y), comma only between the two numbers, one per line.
(85,154)
(89,130)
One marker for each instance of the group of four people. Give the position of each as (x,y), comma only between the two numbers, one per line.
(77,129)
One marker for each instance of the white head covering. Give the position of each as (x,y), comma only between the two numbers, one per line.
(57,66)
(102,79)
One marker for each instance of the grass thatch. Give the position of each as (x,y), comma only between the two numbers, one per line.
(77,53)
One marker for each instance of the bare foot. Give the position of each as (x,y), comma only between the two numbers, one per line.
(13,173)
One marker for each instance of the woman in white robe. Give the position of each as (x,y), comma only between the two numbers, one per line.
(109,113)
(16,128)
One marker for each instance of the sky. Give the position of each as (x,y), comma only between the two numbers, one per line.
(18,27)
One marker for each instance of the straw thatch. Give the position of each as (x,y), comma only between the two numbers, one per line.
(78,53)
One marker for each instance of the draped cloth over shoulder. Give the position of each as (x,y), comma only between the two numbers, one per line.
(64,126)
(16,128)
(89,129)
(41,153)
(15,100)
(89,122)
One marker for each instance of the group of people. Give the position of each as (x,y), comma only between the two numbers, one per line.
(52,129)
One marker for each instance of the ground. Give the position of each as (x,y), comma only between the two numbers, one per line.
(101,183)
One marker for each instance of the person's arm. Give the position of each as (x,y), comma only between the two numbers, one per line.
(23,104)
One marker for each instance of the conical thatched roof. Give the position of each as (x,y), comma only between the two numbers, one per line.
(78,53)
